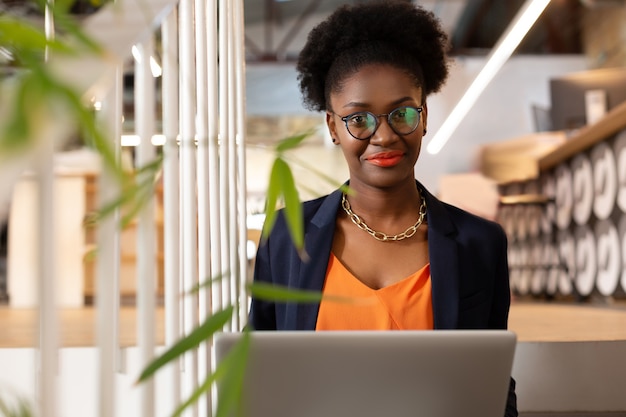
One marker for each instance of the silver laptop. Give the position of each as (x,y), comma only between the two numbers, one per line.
(443,373)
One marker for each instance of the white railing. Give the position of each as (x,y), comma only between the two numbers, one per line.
(203,188)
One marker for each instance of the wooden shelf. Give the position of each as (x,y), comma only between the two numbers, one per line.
(586,137)
(525,199)
(128,242)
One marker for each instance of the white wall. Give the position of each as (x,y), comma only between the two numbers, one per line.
(504,111)
(22,265)
(77,382)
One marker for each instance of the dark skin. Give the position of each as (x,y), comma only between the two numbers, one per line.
(381,176)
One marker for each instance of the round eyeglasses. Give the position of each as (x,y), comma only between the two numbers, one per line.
(363,124)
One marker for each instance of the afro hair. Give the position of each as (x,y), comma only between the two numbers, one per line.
(391,32)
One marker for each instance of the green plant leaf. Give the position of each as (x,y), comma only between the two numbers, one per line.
(208,282)
(273,292)
(91,131)
(293,208)
(71,29)
(141,194)
(282,184)
(23,37)
(230,372)
(22,408)
(310,168)
(67,26)
(203,332)
(60,7)
(152,167)
(16,132)
(232,376)
(273,192)
(291,142)
(124,198)
(133,196)
(132,199)
(195,396)
(56,6)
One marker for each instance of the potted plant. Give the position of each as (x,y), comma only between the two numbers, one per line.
(33,97)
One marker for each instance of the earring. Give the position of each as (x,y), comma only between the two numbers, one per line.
(424,132)
(334,140)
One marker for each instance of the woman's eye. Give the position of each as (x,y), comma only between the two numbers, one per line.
(399,114)
(358,120)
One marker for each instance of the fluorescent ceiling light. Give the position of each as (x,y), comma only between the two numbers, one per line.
(135,140)
(155,68)
(514,34)
(131,140)
(136,54)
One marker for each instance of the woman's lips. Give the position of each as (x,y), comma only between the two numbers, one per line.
(385,159)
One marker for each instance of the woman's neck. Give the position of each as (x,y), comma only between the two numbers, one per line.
(393,202)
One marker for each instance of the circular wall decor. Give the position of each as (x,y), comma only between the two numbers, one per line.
(604,180)
(608,257)
(563,196)
(548,189)
(582,186)
(620,156)
(567,260)
(586,260)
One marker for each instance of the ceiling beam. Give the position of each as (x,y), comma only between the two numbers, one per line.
(269,53)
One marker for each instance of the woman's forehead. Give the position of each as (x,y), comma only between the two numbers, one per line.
(375,83)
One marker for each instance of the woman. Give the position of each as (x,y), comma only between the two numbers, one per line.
(412,261)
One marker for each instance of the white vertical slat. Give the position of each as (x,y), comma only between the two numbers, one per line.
(48,320)
(146,233)
(202,125)
(214,171)
(188,183)
(240,112)
(108,260)
(214,183)
(232,166)
(224,170)
(171,197)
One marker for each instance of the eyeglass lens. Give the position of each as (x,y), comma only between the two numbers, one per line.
(403,120)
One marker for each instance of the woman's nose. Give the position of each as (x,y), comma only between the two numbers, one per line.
(384,134)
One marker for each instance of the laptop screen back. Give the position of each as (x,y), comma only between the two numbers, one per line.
(439,373)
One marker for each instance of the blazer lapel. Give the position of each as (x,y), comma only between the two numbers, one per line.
(317,243)
(444,268)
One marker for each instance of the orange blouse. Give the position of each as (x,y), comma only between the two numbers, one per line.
(404,305)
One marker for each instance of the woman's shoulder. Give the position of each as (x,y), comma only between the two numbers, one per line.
(320,210)
(314,204)
(466,221)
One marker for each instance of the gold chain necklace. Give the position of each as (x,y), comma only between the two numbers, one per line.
(380,236)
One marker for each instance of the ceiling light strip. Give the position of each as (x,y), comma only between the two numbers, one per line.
(501,52)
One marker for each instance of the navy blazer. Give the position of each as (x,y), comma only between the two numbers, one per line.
(468,267)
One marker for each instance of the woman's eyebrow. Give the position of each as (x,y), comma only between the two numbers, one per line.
(366,105)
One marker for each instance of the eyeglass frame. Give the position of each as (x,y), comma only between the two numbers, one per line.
(377,117)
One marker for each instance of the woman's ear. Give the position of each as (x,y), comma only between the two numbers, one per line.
(332,127)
